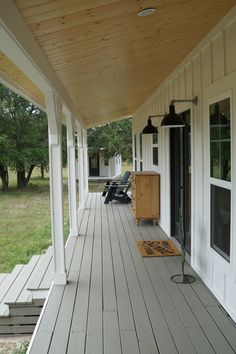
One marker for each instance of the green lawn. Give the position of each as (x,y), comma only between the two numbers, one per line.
(25,219)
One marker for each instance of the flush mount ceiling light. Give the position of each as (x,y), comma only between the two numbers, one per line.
(146,12)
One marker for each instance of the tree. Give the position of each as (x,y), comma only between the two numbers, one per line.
(23,137)
(4,161)
(113,138)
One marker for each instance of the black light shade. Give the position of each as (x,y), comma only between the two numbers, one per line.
(172,120)
(149,129)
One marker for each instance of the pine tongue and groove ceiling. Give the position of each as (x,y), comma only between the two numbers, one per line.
(107,58)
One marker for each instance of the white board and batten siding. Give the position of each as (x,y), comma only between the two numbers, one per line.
(209,72)
(111,168)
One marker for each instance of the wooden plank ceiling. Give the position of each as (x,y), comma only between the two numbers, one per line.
(109,59)
(21,81)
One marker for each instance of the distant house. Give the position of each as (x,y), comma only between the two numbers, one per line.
(98,166)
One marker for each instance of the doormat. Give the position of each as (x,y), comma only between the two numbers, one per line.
(160,248)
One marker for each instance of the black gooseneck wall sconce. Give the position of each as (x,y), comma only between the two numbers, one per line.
(170,120)
(173,120)
(149,128)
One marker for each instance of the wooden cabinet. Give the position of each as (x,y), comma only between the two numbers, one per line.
(146,196)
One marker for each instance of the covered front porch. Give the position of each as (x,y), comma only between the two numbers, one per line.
(88,63)
(115,301)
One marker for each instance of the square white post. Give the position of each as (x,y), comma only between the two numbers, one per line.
(81,168)
(71,175)
(54,109)
(85,149)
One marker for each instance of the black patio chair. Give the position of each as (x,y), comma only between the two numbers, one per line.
(118,192)
(115,182)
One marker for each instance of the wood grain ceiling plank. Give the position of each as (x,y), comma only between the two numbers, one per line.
(107,58)
(38,11)
(9,69)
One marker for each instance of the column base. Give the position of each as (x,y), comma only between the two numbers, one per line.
(74,232)
(60,278)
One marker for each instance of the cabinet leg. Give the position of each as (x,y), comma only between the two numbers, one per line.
(137,221)
(154,221)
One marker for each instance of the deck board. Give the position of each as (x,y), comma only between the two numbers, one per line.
(200,330)
(118,302)
(59,343)
(94,342)
(2,277)
(142,323)
(174,301)
(17,290)
(45,331)
(126,317)
(109,296)
(40,270)
(111,333)
(154,291)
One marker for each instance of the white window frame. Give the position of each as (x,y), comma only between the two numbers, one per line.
(218,182)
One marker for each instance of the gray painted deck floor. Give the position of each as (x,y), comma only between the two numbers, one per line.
(117,302)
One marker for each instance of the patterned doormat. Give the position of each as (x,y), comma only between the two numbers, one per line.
(160,248)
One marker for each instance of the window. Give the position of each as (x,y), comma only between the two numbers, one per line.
(135,146)
(135,152)
(220,173)
(220,140)
(220,220)
(106,163)
(155,156)
(155,149)
(155,138)
(141,146)
(140,152)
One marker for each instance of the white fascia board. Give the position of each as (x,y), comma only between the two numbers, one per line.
(19,45)
(14,86)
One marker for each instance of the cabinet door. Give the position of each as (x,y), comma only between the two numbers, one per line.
(147,203)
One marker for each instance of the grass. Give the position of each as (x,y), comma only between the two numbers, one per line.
(126,167)
(23,348)
(25,219)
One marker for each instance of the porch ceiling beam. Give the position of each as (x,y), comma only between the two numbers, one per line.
(20,90)
(19,45)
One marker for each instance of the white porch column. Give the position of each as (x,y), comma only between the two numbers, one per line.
(81,168)
(85,148)
(71,174)
(54,109)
